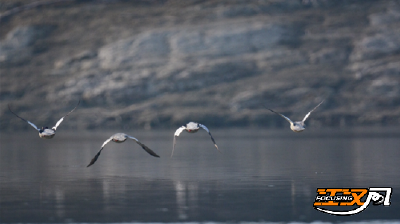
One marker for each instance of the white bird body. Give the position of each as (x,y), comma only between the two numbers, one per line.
(45,132)
(191,127)
(297,126)
(120,138)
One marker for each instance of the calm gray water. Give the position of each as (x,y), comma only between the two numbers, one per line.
(261,176)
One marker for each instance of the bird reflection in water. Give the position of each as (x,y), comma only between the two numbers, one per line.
(186,196)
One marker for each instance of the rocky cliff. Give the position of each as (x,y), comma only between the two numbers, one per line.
(144,64)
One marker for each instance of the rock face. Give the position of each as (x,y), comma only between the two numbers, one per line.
(162,64)
(18,45)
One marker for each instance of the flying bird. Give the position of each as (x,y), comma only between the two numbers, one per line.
(45,132)
(191,127)
(119,138)
(297,126)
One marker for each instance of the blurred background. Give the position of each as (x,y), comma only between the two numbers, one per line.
(158,63)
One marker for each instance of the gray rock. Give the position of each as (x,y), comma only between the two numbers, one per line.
(218,62)
(231,39)
(392,15)
(383,43)
(329,55)
(17,47)
(149,47)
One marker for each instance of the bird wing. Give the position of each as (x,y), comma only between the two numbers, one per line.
(290,121)
(177,133)
(307,115)
(32,124)
(98,154)
(59,122)
(205,128)
(147,149)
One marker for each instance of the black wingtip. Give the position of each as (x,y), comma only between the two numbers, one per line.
(95,158)
(151,152)
(91,163)
(147,149)
(9,108)
(77,104)
(216,146)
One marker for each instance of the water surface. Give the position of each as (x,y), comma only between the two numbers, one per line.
(261,176)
